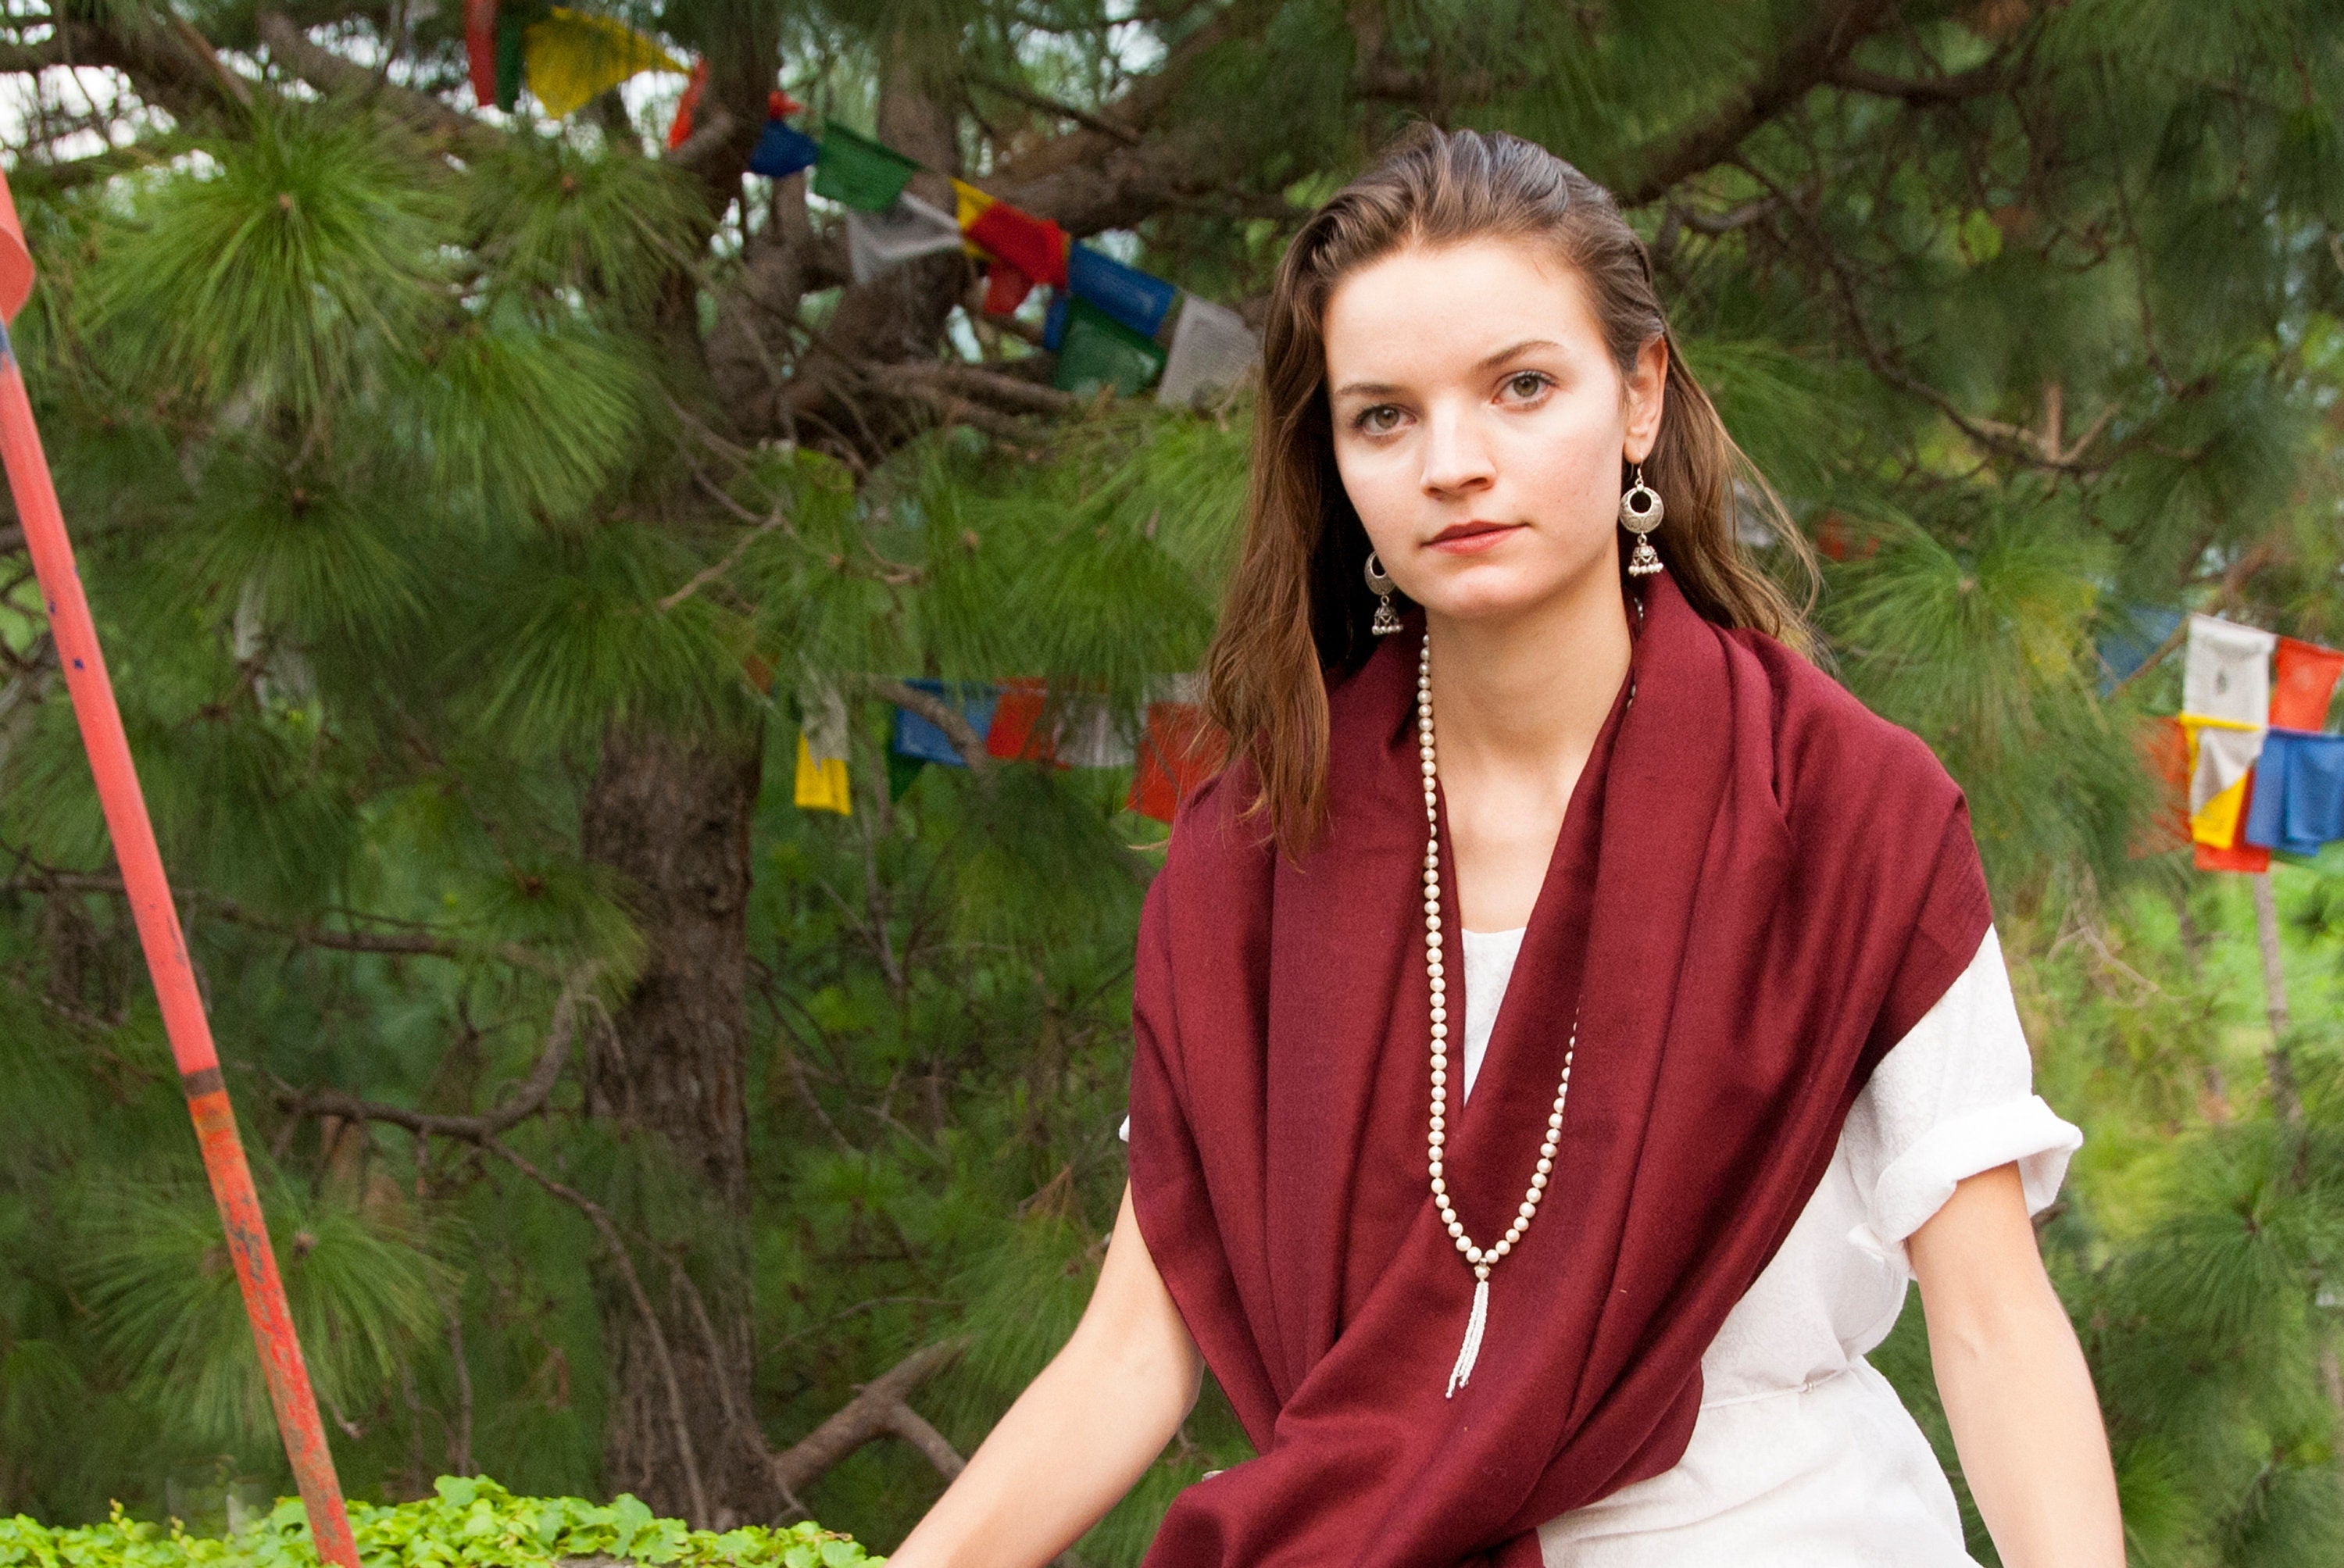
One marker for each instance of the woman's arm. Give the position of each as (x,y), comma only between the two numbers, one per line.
(2017,1394)
(1080,1434)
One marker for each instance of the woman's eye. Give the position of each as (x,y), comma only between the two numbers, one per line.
(1527,383)
(1372,420)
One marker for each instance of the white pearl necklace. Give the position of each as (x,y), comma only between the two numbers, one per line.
(1483,1259)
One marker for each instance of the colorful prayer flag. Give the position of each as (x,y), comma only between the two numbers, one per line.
(2243,857)
(1005,288)
(911,229)
(2222,754)
(2228,676)
(680,130)
(574,58)
(1017,732)
(2163,746)
(782,150)
(1035,246)
(1212,348)
(916,737)
(822,785)
(903,772)
(512,32)
(1175,755)
(1138,299)
(480,48)
(1092,736)
(1096,349)
(2299,793)
(2303,680)
(2140,630)
(1053,320)
(861,173)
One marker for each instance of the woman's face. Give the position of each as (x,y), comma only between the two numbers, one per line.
(1479,424)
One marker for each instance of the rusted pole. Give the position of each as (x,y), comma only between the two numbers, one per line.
(158,924)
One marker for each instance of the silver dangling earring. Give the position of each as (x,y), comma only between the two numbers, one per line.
(1641,512)
(1387,621)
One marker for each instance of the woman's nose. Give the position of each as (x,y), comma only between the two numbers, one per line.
(1456,458)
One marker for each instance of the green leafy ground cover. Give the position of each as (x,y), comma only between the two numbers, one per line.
(467,1520)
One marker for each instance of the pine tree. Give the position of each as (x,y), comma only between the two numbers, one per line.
(466,495)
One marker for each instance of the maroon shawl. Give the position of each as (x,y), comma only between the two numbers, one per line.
(1761,887)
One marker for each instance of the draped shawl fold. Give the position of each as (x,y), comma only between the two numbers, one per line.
(1759,887)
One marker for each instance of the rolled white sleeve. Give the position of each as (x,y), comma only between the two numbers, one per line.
(1954,1098)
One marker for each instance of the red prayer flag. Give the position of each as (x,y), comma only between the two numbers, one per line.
(1018,735)
(681,131)
(2163,747)
(1005,288)
(480,48)
(1175,757)
(1035,246)
(2241,856)
(2303,678)
(780,106)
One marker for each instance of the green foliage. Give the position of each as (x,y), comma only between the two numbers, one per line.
(466,1519)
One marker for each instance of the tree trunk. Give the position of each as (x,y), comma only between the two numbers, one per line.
(672,812)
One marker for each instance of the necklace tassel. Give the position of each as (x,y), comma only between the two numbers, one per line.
(1470,1351)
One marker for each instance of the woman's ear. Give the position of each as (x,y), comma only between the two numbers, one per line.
(1646,390)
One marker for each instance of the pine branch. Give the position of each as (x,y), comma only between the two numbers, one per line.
(328,72)
(872,1414)
(1805,63)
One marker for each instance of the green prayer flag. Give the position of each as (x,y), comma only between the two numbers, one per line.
(1094,351)
(512,23)
(858,171)
(900,773)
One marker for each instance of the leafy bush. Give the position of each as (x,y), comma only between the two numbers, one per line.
(471,1521)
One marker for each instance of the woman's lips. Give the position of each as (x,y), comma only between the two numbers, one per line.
(1471,537)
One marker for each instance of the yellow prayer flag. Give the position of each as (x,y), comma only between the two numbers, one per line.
(571,57)
(821,787)
(2218,771)
(970,204)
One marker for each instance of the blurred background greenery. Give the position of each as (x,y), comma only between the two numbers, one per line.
(464,495)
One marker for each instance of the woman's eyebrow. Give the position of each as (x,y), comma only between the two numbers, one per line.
(1378,389)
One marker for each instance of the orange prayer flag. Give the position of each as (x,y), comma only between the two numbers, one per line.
(2303,679)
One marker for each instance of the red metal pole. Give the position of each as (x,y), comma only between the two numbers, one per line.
(158,925)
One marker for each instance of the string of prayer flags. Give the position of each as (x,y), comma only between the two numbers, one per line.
(574,58)
(2227,672)
(909,229)
(1212,348)
(1095,350)
(2298,793)
(864,173)
(2303,681)
(678,130)
(914,737)
(822,749)
(1174,752)
(1138,299)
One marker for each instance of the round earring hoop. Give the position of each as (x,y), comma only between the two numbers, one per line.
(1640,510)
(1380,583)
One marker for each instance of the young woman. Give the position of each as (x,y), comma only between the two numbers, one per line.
(1571,1020)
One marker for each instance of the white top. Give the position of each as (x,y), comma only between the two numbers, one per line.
(1803,1455)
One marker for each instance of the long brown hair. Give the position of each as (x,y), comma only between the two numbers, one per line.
(1297,610)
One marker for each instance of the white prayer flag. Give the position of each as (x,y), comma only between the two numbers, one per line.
(2227,674)
(1211,350)
(821,711)
(2223,758)
(1093,737)
(909,229)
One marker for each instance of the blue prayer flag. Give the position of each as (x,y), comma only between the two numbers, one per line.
(782,150)
(2139,631)
(917,737)
(1053,320)
(2297,800)
(1138,299)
